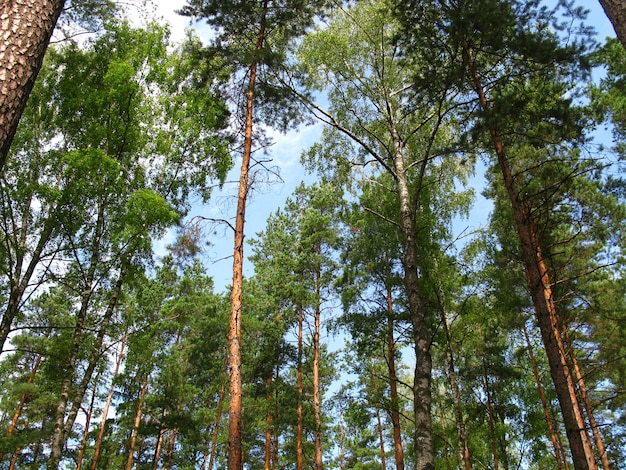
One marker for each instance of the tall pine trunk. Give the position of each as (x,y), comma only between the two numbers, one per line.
(317,400)
(25,30)
(540,288)
(235,448)
(300,392)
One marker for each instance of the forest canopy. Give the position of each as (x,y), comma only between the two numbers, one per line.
(444,288)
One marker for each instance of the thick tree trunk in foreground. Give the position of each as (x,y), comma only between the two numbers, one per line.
(540,288)
(616,11)
(25,30)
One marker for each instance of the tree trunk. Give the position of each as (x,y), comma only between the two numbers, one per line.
(540,288)
(422,398)
(317,400)
(379,423)
(463,445)
(94,358)
(25,30)
(159,443)
(492,421)
(88,416)
(21,279)
(235,448)
(393,379)
(559,452)
(300,391)
(616,11)
(268,427)
(133,437)
(20,406)
(107,405)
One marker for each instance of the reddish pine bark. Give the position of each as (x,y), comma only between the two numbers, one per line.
(540,288)
(235,447)
(25,30)
(616,11)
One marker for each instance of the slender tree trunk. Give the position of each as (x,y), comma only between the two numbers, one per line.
(582,387)
(25,30)
(94,357)
(300,391)
(616,11)
(235,448)
(559,452)
(442,422)
(492,421)
(21,280)
(159,443)
(393,377)
(463,445)
(379,422)
(136,423)
(107,404)
(317,400)
(540,287)
(268,427)
(88,416)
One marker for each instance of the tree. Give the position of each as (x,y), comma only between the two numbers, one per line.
(262,30)
(541,68)
(123,170)
(376,123)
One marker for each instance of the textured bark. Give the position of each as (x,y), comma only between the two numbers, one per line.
(25,30)
(616,11)
(540,288)
(422,397)
(235,446)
